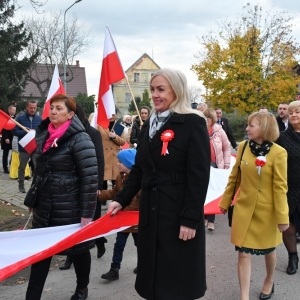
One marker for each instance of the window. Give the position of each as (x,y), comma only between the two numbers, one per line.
(144,77)
(136,77)
(127,97)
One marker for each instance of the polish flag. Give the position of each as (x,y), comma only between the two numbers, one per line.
(56,88)
(4,118)
(41,243)
(112,71)
(28,142)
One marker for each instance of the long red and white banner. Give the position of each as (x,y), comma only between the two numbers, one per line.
(39,244)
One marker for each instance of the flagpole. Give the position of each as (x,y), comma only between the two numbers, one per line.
(137,110)
(18,124)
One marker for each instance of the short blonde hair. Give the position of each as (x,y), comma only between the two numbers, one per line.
(268,125)
(294,104)
(125,117)
(210,113)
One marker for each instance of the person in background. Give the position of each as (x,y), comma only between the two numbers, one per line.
(283,116)
(136,128)
(97,141)
(263,109)
(202,106)
(289,139)
(220,152)
(225,125)
(67,194)
(173,182)
(6,140)
(127,121)
(126,161)
(261,211)
(30,120)
(111,146)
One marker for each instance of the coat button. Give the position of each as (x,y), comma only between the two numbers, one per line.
(154,189)
(153,208)
(154,170)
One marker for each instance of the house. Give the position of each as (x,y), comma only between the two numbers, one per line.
(41,76)
(138,75)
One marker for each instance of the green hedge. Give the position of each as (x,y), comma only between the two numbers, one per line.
(238,125)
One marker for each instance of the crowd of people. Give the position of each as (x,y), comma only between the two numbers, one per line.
(160,175)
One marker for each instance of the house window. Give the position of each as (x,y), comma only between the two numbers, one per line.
(127,97)
(136,77)
(144,77)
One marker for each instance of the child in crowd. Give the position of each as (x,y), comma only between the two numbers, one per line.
(126,160)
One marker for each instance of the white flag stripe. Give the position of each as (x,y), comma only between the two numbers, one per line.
(109,103)
(54,83)
(27,138)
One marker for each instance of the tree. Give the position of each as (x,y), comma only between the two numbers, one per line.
(86,102)
(146,100)
(14,39)
(195,93)
(248,64)
(47,38)
(131,107)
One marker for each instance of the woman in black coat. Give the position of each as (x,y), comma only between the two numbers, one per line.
(289,139)
(173,177)
(67,192)
(136,127)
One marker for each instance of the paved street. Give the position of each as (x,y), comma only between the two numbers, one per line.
(222,280)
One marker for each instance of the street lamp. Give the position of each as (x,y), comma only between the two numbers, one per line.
(65,50)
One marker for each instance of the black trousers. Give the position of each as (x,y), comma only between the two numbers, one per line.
(5,159)
(39,272)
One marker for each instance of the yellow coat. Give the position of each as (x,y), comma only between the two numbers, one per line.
(262,202)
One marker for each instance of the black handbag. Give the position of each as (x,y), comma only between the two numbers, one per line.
(231,208)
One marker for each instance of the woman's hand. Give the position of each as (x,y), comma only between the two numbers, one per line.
(112,134)
(224,211)
(113,207)
(226,167)
(283,227)
(186,233)
(98,192)
(31,209)
(85,221)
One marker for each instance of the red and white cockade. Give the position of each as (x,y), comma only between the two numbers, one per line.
(260,162)
(166,137)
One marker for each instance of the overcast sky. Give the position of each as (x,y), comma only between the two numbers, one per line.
(166,29)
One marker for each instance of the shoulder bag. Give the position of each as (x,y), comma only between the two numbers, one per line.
(231,208)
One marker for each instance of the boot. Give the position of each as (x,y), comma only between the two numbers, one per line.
(80,294)
(293,263)
(100,250)
(113,274)
(67,264)
(21,187)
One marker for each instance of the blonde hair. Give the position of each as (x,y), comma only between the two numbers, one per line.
(294,104)
(178,82)
(125,117)
(210,113)
(268,125)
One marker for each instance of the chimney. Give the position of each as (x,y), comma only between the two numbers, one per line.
(77,63)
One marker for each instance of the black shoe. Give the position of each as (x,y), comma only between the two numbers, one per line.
(293,264)
(22,188)
(135,270)
(80,294)
(103,203)
(6,171)
(113,274)
(67,264)
(267,296)
(101,251)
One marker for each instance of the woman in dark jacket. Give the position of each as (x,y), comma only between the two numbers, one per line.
(97,141)
(136,127)
(67,193)
(171,168)
(289,139)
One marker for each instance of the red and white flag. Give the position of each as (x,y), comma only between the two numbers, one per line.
(4,118)
(56,88)
(28,142)
(112,71)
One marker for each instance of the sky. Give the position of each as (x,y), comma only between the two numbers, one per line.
(167,30)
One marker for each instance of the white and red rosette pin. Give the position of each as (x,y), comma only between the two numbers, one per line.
(166,137)
(260,162)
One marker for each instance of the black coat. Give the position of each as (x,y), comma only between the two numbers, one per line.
(227,129)
(281,125)
(6,134)
(135,131)
(290,141)
(68,190)
(173,194)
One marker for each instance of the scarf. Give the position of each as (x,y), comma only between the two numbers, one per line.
(55,134)
(260,150)
(157,120)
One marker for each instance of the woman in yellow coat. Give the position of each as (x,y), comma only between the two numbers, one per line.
(261,211)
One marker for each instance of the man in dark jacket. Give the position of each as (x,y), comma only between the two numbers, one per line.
(283,116)
(30,120)
(225,125)
(6,140)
